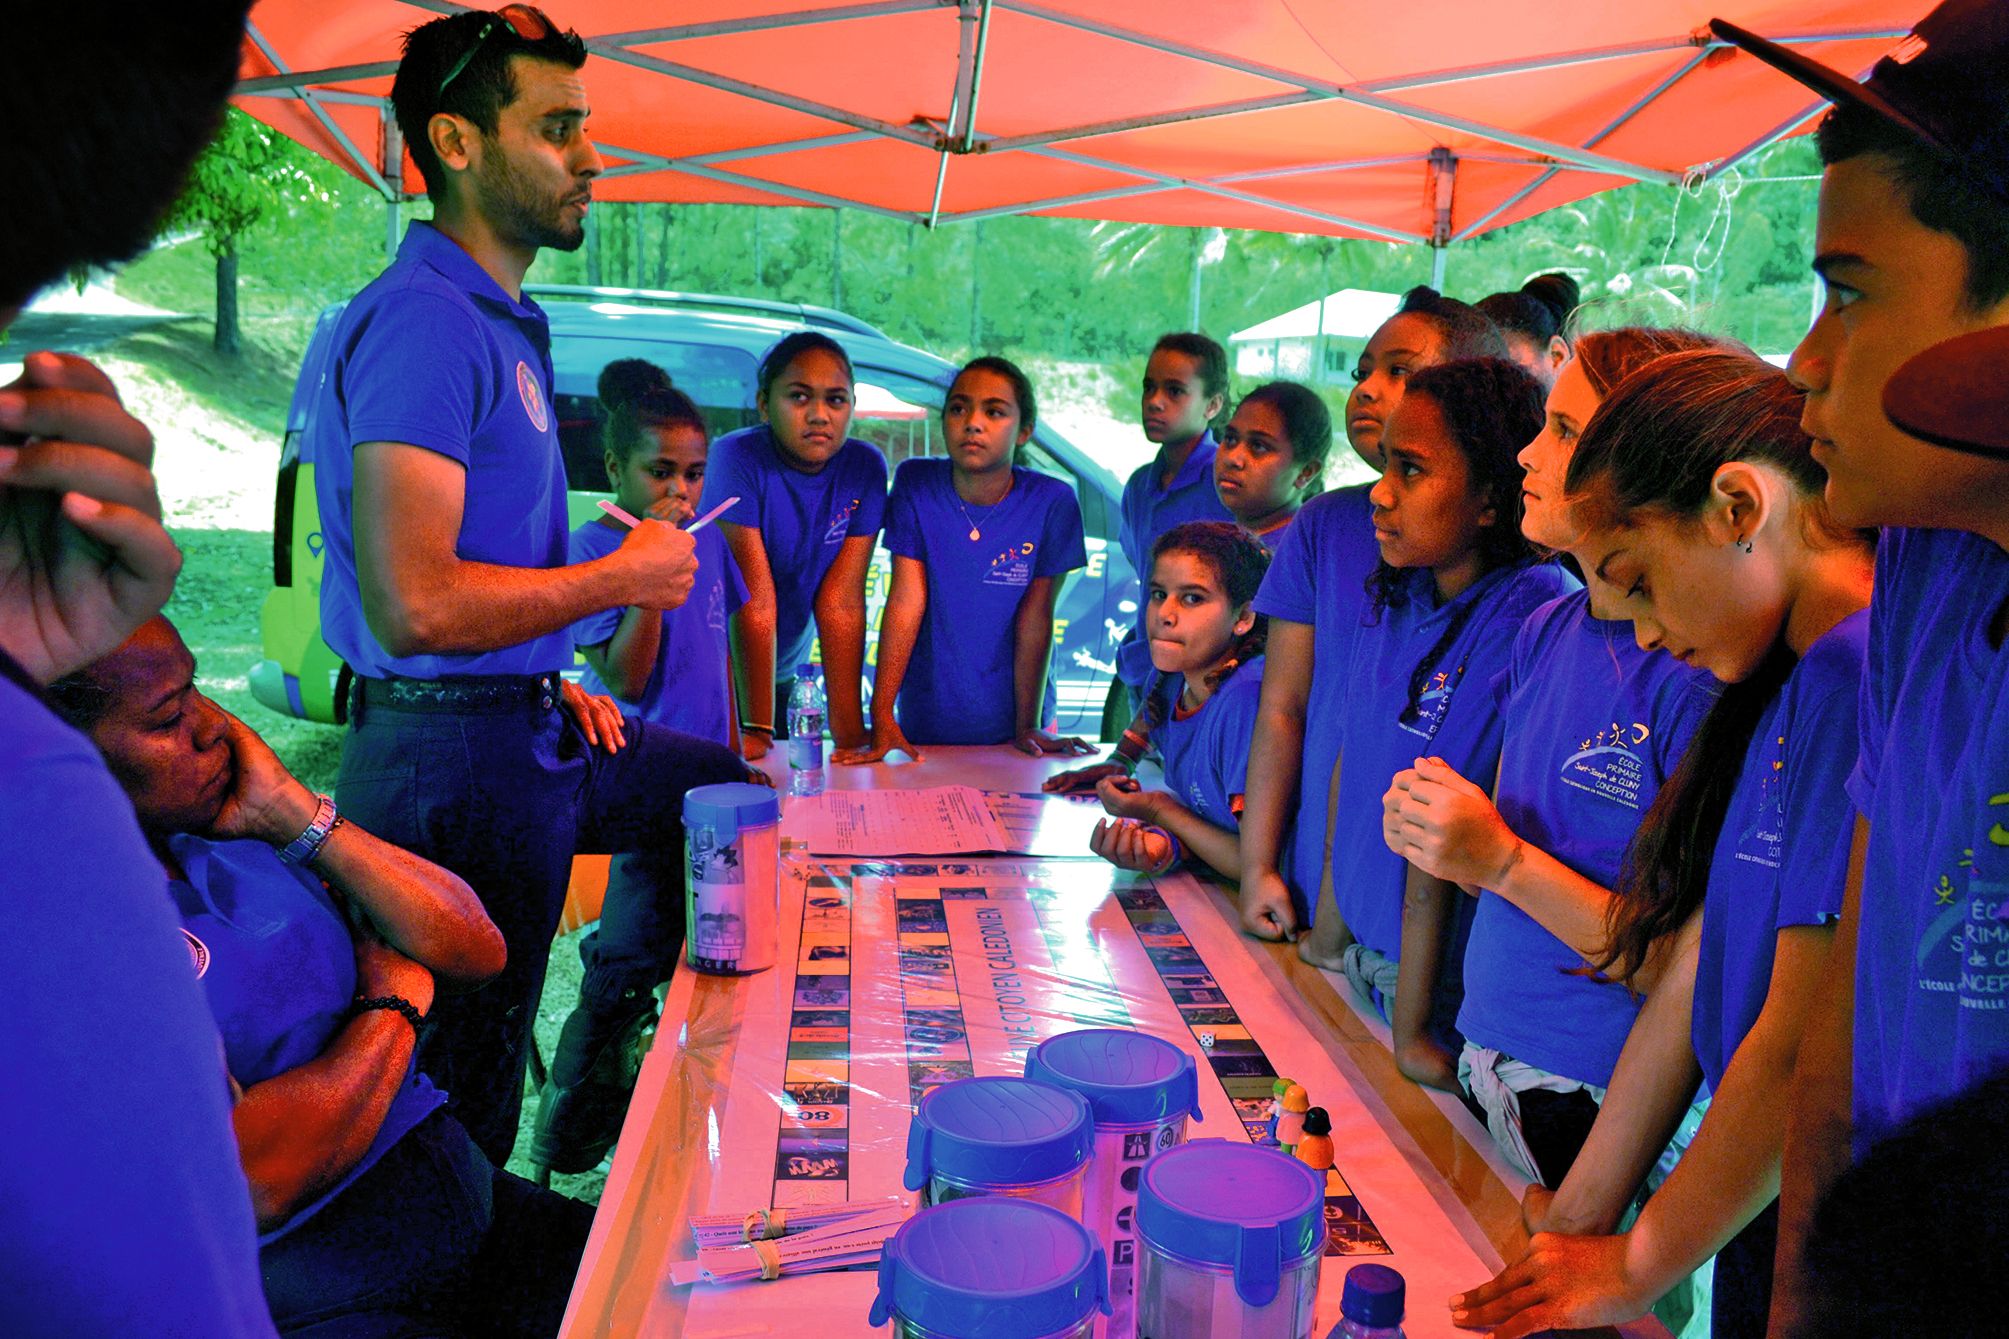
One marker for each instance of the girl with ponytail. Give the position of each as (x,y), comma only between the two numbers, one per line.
(1206,642)
(1700,517)
(1594,725)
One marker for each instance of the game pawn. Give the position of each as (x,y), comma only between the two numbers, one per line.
(1314,1146)
(1290,1121)
(1275,1108)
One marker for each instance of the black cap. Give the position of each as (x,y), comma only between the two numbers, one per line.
(1946,85)
(1956,394)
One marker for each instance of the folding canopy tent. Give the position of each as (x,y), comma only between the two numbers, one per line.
(1430,122)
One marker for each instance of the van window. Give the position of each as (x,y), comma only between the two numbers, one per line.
(719,379)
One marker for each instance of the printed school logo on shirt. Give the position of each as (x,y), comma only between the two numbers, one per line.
(1764,841)
(533,398)
(198,953)
(1606,766)
(1965,947)
(1433,702)
(715,608)
(840,522)
(1012,567)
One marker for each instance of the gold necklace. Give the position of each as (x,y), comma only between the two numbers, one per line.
(975,533)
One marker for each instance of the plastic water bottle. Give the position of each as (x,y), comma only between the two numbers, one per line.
(805,732)
(1371,1304)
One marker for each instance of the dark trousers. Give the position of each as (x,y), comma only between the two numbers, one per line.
(434,1240)
(505,798)
(1740,1298)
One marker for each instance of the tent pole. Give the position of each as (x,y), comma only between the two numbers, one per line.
(1444,182)
(394,175)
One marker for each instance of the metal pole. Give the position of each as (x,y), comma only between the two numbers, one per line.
(1438,252)
(394,175)
(1444,183)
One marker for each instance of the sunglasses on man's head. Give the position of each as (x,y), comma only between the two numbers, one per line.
(526,21)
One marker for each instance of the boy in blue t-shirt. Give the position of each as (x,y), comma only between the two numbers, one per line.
(671,665)
(979,548)
(1185,388)
(1910,239)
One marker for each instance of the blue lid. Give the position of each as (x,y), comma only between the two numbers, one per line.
(1243,1208)
(731,804)
(1129,1078)
(998,1132)
(991,1268)
(808,670)
(1372,1296)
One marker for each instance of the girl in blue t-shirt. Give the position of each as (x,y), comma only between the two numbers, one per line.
(1271,457)
(979,547)
(1206,650)
(671,665)
(1455,582)
(1315,597)
(1594,724)
(1701,518)
(811,500)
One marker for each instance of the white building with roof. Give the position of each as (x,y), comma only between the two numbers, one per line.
(1317,343)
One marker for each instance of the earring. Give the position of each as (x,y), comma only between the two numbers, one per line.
(1744,543)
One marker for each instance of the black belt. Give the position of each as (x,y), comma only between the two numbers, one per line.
(473,692)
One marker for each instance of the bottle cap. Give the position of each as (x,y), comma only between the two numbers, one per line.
(991,1268)
(731,805)
(998,1132)
(808,671)
(1252,1210)
(1129,1078)
(1373,1295)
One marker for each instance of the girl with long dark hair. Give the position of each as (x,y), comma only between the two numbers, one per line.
(1701,516)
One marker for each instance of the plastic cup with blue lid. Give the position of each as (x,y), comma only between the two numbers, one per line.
(732,852)
(991,1268)
(1142,1090)
(1231,1238)
(1001,1136)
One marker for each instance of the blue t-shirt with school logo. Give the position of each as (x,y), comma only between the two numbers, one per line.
(1594,725)
(435,355)
(803,519)
(690,689)
(1783,854)
(1205,754)
(1457,718)
(1148,512)
(1318,577)
(123,1204)
(277,963)
(1932,958)
(959,687)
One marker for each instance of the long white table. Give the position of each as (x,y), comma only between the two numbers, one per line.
(793,1085)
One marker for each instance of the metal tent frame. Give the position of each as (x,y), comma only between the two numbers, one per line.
(314,91)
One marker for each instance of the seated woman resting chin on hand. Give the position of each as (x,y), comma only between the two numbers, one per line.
(319,948)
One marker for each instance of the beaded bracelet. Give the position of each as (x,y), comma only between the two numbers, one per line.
(396,1004)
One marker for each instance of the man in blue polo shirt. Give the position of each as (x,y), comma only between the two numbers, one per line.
(123,1207)
(442,497)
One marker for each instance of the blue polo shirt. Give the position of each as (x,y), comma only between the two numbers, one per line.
(1206,754)
(1594,725)
(803,519)
(1458,720)
(1148,512)
(1783,855)
(1319,578)
(959,687)
(434,354)
(690,688)
(1932,960)
(123,1206)
(278,964)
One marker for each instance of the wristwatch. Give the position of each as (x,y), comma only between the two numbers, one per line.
(303,848)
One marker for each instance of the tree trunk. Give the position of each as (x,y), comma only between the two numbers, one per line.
(758,278)
(663,246)
(1199,246)
(593,229)
(227,342)
(976,287)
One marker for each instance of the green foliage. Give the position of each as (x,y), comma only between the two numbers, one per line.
(248,174)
